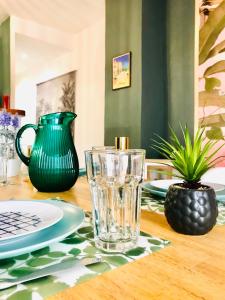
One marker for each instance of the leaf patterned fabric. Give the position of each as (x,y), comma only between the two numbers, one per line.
(76,246)
(155,203)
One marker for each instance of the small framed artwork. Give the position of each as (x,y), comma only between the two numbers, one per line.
(121,71)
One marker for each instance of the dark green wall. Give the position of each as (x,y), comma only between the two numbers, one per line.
(180,62)
(5,57)
(161,36)
(154,74)
(123,107)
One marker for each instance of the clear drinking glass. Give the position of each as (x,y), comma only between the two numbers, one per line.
(114,177)
(103,147)
(5,149)
(3,171)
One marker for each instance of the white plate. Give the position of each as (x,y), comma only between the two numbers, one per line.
(72,218)
(165,183)
(19,218)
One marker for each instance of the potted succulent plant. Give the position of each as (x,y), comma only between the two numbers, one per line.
(190,206)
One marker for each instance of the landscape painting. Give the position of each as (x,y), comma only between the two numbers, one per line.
(56,95)
(121,69)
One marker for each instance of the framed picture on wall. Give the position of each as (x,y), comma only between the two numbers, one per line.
(121,71)
(56,94)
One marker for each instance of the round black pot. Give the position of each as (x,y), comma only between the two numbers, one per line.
(191,211)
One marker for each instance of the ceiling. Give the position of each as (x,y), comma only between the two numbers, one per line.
(66,15)
(69,16)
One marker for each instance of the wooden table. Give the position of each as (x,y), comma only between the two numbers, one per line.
(14,111)
(193,267)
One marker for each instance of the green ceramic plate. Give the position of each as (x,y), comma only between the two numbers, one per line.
(163,184)
(148,187)
(220,195)
(72,219)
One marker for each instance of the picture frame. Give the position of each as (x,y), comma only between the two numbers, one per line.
(157,172)
(121,71)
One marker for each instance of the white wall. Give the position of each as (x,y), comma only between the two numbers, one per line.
(86,55)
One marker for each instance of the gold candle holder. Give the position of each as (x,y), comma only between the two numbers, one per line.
(122,142)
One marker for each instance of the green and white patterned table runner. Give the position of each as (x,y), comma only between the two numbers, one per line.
(76,246)
(155,203)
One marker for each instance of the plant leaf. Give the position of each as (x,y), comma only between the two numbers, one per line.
(210,30)
(211,83)
(218,67)
(219,48)
(194,158)
(215,133)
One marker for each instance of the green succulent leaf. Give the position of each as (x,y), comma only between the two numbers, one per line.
(191,157)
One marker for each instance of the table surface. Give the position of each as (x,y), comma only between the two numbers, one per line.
(14,111)
(192,267)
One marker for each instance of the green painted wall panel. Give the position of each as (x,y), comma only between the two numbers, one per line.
(161,36)
(5,57)
(180,62)
(123,107)
(154,74)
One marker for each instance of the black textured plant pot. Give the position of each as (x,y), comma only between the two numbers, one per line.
(191,211)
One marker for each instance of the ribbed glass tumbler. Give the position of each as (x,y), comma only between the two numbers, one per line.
(114,177)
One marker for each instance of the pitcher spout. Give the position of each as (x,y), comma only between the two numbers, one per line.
(57,118)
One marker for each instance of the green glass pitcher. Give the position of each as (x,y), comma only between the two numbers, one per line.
(53,165)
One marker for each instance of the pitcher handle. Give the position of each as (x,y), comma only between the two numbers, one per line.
(24,158)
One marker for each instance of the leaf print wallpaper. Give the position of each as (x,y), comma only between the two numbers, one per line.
(212,71)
